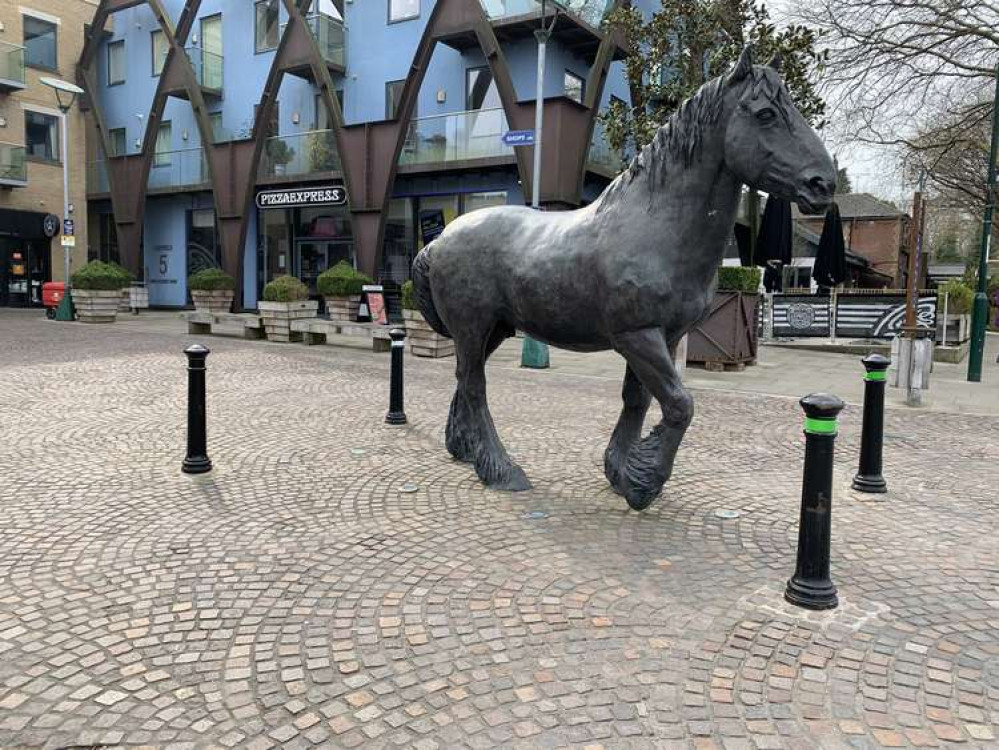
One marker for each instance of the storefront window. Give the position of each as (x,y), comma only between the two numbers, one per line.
(436,212)
(475,201)
(304,242)
(399,248)
(203,247)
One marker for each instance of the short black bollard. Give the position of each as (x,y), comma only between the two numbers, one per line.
(869,477)
(196,461)
(810,586)
(396,415)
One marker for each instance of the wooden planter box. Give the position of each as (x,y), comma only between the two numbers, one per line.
(727,334)
(96,305)
(343,309)
(216,301)
(277,318)
(423,340)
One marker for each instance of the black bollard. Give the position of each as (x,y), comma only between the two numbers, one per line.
(396,415)
(810,586)
(869,477)
(196,461)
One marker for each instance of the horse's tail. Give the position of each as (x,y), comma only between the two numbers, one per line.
(424,296)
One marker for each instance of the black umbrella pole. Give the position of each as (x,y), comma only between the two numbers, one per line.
(810,586)
(869,477)
(196,461)
(396,414)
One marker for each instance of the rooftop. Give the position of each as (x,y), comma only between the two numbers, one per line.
(858,205)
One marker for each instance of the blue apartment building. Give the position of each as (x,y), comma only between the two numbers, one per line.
(219,129)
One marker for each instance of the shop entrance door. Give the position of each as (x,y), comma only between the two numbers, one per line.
(315,256)
(14,280)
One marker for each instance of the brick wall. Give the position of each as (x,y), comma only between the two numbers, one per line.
(883,241)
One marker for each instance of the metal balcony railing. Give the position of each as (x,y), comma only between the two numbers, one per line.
(329,34)
(13,165)
(178,169)
(476,134)
(11,66)
(592,12)
(300,153)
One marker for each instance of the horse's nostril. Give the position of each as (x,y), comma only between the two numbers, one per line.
(819,185)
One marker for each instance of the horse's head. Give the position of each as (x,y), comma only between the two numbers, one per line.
(769,145)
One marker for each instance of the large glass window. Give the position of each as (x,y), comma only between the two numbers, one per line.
(475,201)
(40,48)
(480,90)
(116,62)
(400,234)
(41,135)
(574,86)
(393,98)
(158,44)
(403,10)
(117,139)
(164,136)
(265,25)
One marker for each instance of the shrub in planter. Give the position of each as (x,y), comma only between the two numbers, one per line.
(423,340)
(341,285)
(285,299)
(738,279)
(212,289)
(960,297)
(280,154)
(96,290)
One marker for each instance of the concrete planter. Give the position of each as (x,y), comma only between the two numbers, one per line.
(216,301)
(343,308)
(277,318)
(96,305)
(134,298)
(423,340)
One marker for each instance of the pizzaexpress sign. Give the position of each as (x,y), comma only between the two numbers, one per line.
(323,195)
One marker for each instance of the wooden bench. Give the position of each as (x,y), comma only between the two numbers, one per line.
(202,322)
(315,330)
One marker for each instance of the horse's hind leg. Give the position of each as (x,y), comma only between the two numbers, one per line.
(629,427)
(650,460)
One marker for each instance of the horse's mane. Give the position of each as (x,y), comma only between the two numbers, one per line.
(680,138)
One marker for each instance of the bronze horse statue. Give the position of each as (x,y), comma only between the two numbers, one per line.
(633,271)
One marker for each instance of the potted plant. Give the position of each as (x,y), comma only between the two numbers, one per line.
(726,335)
(96,290)
(212,290)
(423,340)
(341,286)
(280,154)
(285,299)
(954,301)
(322,151)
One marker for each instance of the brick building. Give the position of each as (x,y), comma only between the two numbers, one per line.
(38,38)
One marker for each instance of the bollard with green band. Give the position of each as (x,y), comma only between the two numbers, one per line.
(869,478)
(810,586)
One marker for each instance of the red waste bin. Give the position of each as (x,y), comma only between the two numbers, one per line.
(52,293)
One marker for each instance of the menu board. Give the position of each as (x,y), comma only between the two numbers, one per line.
(373,304)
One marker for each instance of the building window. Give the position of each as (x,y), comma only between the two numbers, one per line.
(265,25)
(116,62)
(393,98)
(164,136)
(575,87)
(158,44)
(40,43)
(218,132)
(117,141)
(403,10)
(41,135)
(480,90)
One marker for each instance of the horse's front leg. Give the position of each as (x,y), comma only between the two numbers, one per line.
(650,460)
(636,398)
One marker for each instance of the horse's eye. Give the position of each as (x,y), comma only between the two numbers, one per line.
(766,115)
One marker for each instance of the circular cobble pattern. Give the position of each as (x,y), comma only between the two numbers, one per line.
(302,595)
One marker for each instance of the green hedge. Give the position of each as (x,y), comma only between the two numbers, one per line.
(960,297)
(738,279)
(211,280)
(341,281)
(409,296)
(285,289)
(101,276)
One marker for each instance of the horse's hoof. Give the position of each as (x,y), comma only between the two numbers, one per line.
(612,470)
(506,476)
(639,499)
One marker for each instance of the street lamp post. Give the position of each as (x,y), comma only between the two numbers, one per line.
(66,94)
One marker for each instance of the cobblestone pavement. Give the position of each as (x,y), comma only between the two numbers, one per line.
(301,595)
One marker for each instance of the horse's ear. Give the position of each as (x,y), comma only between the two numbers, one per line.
(743,67)
(775,61)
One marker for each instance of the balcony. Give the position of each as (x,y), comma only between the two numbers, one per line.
(329,35)
(13,166)
(309,152)
(11,67)
(592,12)
(602,158)
(207,72)
(183,169)
(449,140)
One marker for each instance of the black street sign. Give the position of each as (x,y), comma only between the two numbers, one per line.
(322,195)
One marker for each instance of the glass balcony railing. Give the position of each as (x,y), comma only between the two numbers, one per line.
(592,12)
(177,169)
(13,165)
(300,153)
(97,177)
(601,154)
(207,67)
(477,134)
(11,66)
(330,37)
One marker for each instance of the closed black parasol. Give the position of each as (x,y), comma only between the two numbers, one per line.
(830,259)
(773,244)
